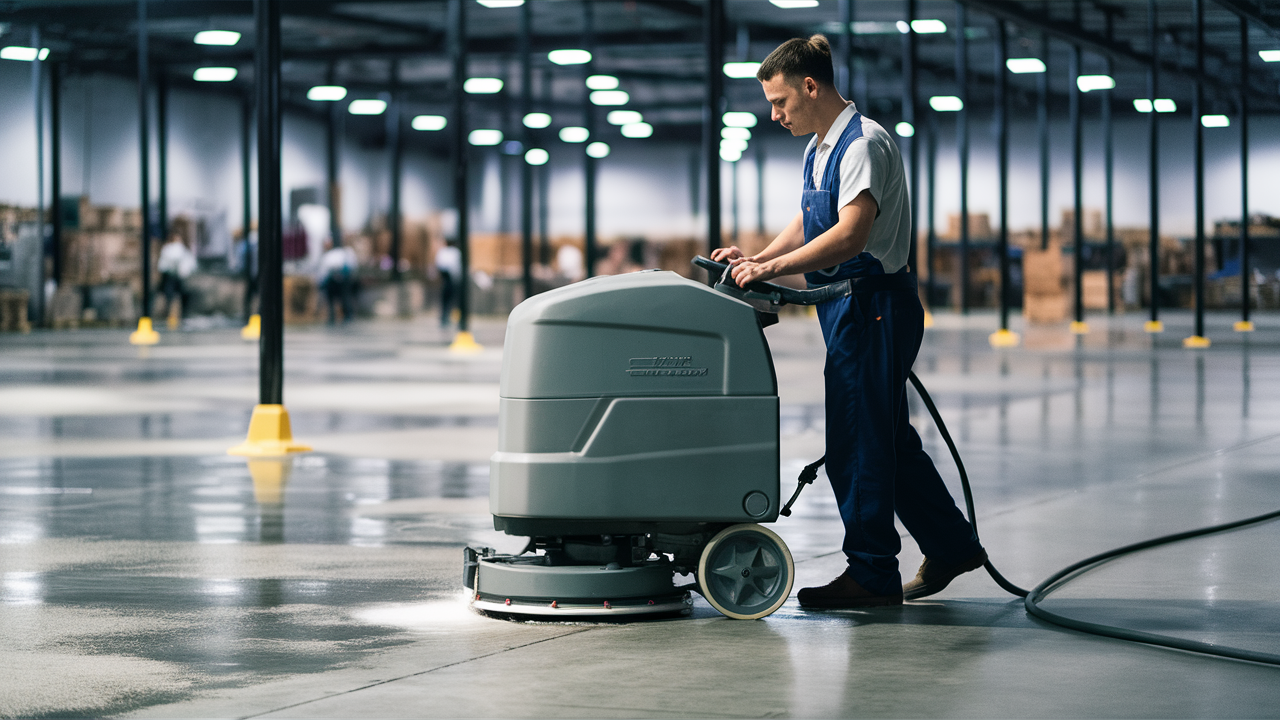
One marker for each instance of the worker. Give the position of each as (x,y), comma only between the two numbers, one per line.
(855,224)
(337,278)
(448,262)
(175,264)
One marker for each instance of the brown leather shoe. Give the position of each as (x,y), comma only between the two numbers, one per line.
(842,593)
(932,579)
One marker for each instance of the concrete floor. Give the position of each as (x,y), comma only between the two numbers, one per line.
(143,572)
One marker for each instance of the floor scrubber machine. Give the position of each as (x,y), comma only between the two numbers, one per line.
(638,441)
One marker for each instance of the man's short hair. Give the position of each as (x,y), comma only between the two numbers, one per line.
(799,58)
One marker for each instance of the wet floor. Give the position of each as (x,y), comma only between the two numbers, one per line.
(145,572)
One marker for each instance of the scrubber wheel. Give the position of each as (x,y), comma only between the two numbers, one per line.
(746,572)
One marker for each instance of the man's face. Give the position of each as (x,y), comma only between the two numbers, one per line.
(793,104)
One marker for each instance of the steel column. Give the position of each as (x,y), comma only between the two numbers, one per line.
(1153,132)
(35,303)
(1042,125)
(270,208)
(458,121)
(144,157)
(909,93)
(846,48)
(1197,107)
(544,185)
(1002,153)
(246,128)
(1077,179)
(1245,278)
(55,165)
(395,142)
(1109,169)
(931,175)
(162,157)
(333,138)
(589,167)
(713,38)
(962,141)
(526,170)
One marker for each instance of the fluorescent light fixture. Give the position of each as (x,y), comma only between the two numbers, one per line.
(946,103)
(537,121)
(217,37)
(574,134)
(609,97)
(1215,121)
(485,138)
(637,130)
(739,119)
(735,133)
(733,143)
(1022,66)
(482,85)
(1269,55)
(1142,105)
(904,129)
(327,93)
(536,156)
(903,27)
(1165,105)
(598,150)
(928,27)
(369,106)
(872,27)
(624,117)
(501,3)
(602,82)
(741,69)
(25,54)
(569,57)
(429,122)
(214,74)
(730,155)
(790,4)
(1087,83)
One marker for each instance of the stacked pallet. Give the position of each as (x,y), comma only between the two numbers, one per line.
(1044,286)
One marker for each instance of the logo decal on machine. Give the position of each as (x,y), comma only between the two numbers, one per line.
(665,367)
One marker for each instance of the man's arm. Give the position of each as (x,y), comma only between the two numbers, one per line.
(838,244)
(789,239)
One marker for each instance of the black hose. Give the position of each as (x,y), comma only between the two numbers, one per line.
(1033,597)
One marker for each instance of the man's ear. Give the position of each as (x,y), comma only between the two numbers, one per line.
(811,87)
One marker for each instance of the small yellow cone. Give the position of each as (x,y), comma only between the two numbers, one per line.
(269,434)
(253,330)
(1153,326)
(465,342)
(1244,326)
(145,334)
(1196,341)
(269,478)
(1079,327)
(928,319)
(1004,338)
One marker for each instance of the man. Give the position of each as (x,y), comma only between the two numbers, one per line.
(854,224)
(336,277)
(175,264)
(449,264)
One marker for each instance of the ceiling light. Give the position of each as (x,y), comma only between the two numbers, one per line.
(429,122)
(1165,105)
(637,130)
(214,74)
(537,121)
(741,69)
(602,82)
(928,27)
(327,93)
(624,117)
(501,3)
(609,97)
(370,106)
(733,143)
(574,134)
(1269,55)
(1215,121)
(25,54)
(903,27)
(537,156)
(735,133)
(905,129)
(217,37)
(482,85)
(730,155)
(598,150)
(1142,105)
(873,27)
(1087,83)
(739,119)
(569,57)
(789,4)
(946,103)
(512,147)
(1022,66)
(485,138)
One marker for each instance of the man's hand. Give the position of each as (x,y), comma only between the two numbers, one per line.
(749,270)
(725,255)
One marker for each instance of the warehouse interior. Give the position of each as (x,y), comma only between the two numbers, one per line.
(236,479)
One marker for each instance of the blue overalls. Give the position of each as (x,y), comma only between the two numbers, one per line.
(874,458)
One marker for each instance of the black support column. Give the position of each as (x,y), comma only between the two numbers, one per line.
(333,158)
(1077,187)
(246,210)
(589,249)
(1246,279)
(55,166)
(162,158)
(464,341)
(270,222)
(1198,340)
(145,334)
(962,141)
(1153,130)
(713,38)
(395,143)
(1109,170)
(526,170)
(1003,336)
(910,89)
(1042,127)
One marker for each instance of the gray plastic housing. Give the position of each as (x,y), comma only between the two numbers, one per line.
(644,397)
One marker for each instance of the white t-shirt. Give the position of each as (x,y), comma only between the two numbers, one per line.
(871,162)
(449,259)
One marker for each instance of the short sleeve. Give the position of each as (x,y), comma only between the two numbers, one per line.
(861,169)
